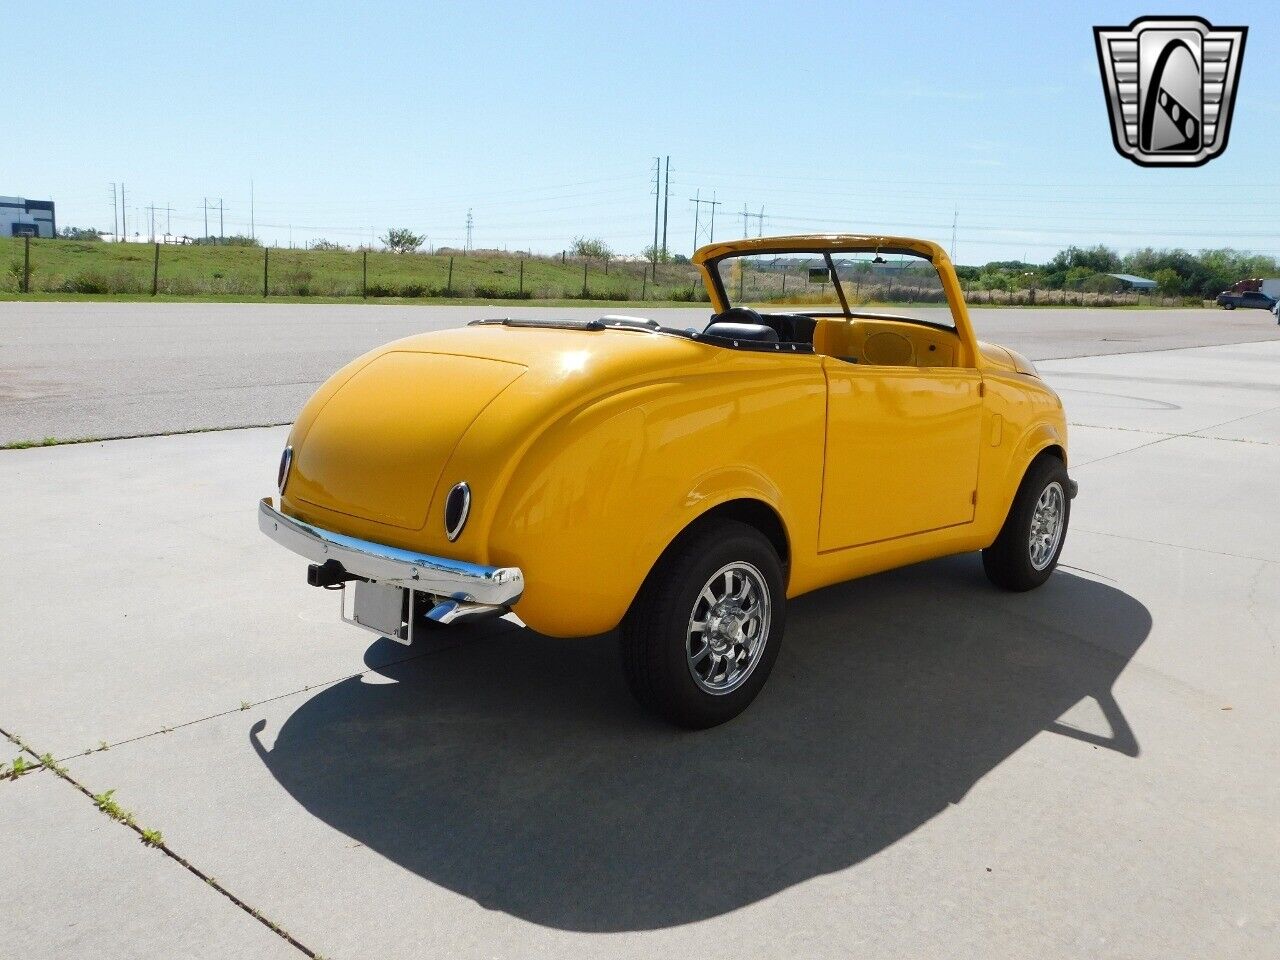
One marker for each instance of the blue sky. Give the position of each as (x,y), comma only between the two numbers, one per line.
(544,118)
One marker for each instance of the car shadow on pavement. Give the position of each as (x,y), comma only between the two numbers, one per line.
(517,771)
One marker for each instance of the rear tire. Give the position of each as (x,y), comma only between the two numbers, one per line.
(703,634)
(1030,542)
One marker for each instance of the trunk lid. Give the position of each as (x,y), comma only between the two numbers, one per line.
(378,446)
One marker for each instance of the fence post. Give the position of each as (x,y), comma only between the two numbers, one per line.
(26,264)
(584,279)
(364,274)
(448,284)
(155,270)
(644,284)
(522,275)
(784,281)
(266,259)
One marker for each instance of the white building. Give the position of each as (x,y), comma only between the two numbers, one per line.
(26,218)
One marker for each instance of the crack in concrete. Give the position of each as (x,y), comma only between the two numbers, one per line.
(279,696)
(1176,546)
(168,851)
(1197,434)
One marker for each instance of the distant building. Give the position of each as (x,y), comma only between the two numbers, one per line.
(1134,283)
(26,218)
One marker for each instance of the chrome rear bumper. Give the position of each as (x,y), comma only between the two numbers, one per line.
(454,580)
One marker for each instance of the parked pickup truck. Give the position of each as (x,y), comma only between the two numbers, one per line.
(1229,300)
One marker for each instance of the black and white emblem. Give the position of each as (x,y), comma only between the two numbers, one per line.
(1170,84)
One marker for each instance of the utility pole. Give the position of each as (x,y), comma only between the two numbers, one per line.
(206,218)
(253,232)
(666,200)
(124,230)
(714,203)
(744,220)
(115,214)
(657,195)
(470,224)
(221,234)
(168,219)
(151,212)
(759,217)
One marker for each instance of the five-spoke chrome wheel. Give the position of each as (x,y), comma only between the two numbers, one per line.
(728,628)
(1047,525)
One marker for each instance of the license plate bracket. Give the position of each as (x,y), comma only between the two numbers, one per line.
(380,607)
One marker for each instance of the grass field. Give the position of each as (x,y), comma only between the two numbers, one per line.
(75,267)
(71,269)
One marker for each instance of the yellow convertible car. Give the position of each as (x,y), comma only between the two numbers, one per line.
(683,484)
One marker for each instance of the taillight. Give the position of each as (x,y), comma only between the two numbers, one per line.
(456,508)
(286,460)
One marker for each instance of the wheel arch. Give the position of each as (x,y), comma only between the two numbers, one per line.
(752,511)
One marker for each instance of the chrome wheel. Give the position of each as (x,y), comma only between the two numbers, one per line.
(1047,525)
(728,628)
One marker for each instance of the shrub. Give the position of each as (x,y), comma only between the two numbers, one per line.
(496,293)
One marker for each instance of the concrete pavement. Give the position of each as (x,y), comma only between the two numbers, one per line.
(123,369)
(934,769)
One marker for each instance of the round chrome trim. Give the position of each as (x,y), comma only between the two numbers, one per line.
(1047,526)
(728,628)
(455,531)
(282,473)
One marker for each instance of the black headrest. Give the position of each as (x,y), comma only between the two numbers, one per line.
(742,331)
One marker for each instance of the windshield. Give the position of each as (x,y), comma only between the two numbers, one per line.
(829,281)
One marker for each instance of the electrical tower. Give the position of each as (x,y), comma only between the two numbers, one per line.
(470,224)
(758,217)
(697,202)
(115,215)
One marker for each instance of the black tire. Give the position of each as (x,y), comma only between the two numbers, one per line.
(1008,562)
(656,629)
(1228,306)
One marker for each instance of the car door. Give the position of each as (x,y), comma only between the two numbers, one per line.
(901,451)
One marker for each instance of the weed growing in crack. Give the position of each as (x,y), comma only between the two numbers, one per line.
(106,803)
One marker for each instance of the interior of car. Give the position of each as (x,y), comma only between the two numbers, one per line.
(864,338)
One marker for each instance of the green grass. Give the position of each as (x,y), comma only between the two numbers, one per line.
(118,270)
(86,270)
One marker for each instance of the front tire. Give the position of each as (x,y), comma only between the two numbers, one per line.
(1030,542)
(703,634)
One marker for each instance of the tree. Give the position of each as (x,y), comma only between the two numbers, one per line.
(402,240)
(593,248)
(79,233)
(651,254)
(1169,281)
(1099,259)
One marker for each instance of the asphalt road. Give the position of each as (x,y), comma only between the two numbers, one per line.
(124,369)
(935,768)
